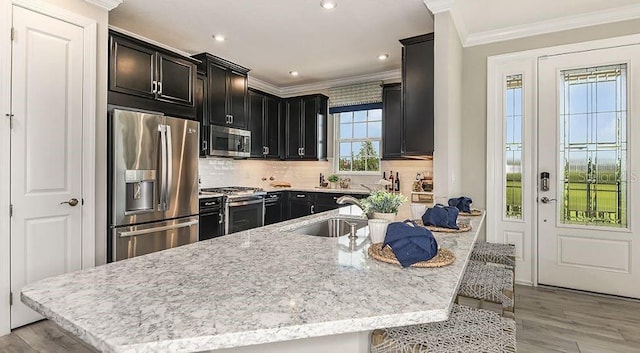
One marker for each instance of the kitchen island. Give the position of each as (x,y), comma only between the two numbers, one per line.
(268,286)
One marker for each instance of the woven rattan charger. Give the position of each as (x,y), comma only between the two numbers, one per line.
(474,212)
(444,257)
(462,228)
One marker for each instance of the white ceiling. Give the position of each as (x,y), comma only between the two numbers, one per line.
(488,15)
(274,37)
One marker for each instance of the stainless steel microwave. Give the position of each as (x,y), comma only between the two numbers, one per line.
(229,142)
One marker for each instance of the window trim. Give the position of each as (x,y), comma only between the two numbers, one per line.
(336,139)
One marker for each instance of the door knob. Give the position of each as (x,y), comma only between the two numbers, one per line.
(547,200)
(71,202)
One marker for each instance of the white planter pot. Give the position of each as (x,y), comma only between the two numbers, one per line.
(386,216)
(378,230)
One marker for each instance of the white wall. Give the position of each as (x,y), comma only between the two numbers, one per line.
(448,142)
(474,104)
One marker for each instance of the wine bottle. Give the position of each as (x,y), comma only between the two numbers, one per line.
(391,181)
(384,177)
(397,183)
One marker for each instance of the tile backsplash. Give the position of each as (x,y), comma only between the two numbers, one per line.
(216,172)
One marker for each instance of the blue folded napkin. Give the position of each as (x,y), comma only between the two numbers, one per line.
(410,242)
(441,216)
(462,203)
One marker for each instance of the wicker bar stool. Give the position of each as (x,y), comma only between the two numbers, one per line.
(503,254)
(488,283)
(467,331)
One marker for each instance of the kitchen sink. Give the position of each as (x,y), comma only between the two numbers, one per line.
(332,227)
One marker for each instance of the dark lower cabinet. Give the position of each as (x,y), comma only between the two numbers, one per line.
(275,208)
(392,121)
(300,204)
(211,224)
(417,96)
(144,76)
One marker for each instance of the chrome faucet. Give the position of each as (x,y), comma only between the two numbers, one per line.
(346,199)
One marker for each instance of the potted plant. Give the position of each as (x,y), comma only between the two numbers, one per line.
(382,204)
(333,179)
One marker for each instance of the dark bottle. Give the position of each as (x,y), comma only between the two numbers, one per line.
(397,183)
(391,186)
(384,177)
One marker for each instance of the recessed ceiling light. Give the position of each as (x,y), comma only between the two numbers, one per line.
(293,73)
(383,56)
(328,4)
(219,37)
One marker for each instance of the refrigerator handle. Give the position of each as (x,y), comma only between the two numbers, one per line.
(163,167)
(157,229)
(169,159)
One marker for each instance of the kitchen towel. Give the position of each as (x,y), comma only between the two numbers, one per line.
(441,216)
(461,203)
(410,243)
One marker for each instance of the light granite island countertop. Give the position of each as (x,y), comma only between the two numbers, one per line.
(252,288)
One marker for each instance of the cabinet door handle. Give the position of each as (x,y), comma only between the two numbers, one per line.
(313,209)
(301,196)
(231,119)
(159,87)
(220,220)
(154,86)
(204,145)
(267,150)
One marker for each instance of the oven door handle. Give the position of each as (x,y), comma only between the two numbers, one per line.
(244,203)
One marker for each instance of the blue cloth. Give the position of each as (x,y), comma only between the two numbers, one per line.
(462,203)
(410,242)
(441,216)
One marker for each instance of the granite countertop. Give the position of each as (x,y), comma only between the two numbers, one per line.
(258,286)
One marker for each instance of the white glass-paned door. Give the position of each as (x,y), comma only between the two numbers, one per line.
(588,141)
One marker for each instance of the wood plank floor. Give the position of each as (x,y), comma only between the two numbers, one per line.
(549,320)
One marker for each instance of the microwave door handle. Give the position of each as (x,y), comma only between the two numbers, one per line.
(169,159)
(163,167)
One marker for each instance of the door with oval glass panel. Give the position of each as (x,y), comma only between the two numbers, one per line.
(589,144)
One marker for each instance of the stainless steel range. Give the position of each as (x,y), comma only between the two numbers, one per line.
(243,207)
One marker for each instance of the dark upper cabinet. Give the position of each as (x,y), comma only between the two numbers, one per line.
(392,121)
(256,123)
(306,127)
(139,69)
(227,91)
(201,113)
(264,123)
(417,95)
(293,126)
(273,135)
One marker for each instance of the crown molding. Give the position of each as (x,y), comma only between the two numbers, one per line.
(263,86)
(150,41)
(106,4)
(438,6)
(317,87)
(554,25)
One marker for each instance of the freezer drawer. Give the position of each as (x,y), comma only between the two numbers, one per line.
(131,241)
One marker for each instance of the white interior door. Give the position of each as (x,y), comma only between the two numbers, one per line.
(46,156)
(589,143)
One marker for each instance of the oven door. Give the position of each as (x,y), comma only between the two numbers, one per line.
(243,214)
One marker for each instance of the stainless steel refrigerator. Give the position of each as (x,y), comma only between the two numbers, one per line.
(153,183)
